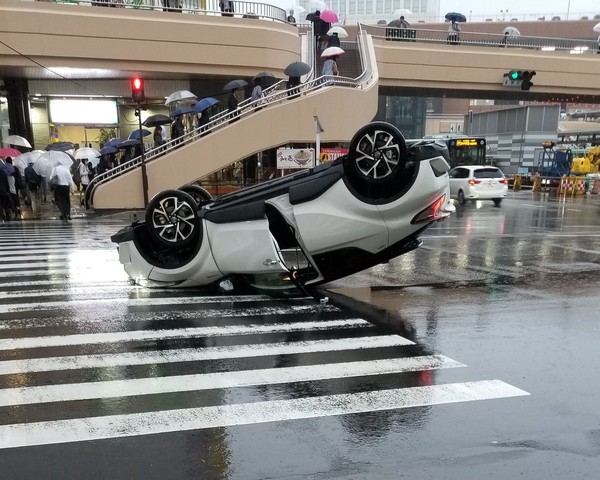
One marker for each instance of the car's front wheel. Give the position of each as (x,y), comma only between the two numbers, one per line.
(171,218)
(376,158)
(461,197)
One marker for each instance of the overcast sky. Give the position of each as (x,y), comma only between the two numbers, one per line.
(491,8)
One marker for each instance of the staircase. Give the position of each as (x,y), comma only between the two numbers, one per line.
(341,108)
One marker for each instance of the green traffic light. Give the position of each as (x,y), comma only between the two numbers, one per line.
(514,75)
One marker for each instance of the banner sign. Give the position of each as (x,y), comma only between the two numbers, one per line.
(330,154)
(295,157)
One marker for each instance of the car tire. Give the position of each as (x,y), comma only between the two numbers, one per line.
(171,218)
(461,198)
(376,158)
(199,194)
(497,201)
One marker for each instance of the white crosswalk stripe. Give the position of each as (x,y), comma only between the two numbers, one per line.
(74,330)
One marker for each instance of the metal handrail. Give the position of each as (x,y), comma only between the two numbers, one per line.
(258,10)
(275,95)
(572,45)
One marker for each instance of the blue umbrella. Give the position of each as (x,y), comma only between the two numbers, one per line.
(129,143)
(135,135)
(205,103)
(108,150)
(457,17)
(182,110)
(113,142)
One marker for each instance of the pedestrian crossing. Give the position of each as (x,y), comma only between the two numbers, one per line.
(85,355)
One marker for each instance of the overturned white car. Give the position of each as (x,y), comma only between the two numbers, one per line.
(304,229)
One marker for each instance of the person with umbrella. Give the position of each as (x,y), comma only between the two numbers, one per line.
(15,182)
(226,7)
(330,68)
(33,182)
(85,176)
(63,189)
(5,200)
(177,130)
(159,136)
(257,94)
(334,40)
(454,32)
(232,103)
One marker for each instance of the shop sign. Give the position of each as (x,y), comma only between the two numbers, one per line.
(295,158)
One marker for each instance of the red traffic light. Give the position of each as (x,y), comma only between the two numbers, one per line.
(137,89)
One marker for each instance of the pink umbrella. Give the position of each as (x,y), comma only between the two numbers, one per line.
(329,16)
(9,152)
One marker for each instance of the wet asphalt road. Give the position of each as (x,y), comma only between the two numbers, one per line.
(473,357)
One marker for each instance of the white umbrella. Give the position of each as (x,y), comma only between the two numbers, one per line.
(180,95)
(317,4)
(402,11)
(332,52)
(16,140)
(25,159)
(298,10)
(596,27)
(511,32)
(86,152)
(50,159)
(341,33)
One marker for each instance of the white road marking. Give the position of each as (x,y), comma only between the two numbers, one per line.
(192,332)
(135,302)
(76,362)
(129,425)
(214,380)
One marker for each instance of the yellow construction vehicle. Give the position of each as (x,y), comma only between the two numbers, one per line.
(589,163)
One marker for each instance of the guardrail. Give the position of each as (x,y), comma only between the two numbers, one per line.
(274,95)
(572,46)
(241,9)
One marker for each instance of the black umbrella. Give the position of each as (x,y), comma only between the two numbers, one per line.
(235,84)
(129,143)
(266,79)
(297,69)
(60,146)
(455,17)
(154,120)
(312,16)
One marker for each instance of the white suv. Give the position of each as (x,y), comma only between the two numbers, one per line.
(478,182)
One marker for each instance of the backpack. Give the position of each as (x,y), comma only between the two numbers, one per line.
(32,179)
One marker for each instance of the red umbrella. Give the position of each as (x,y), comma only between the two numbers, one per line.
(329,16)
(9,152)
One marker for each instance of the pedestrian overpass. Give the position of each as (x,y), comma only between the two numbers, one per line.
(62,43)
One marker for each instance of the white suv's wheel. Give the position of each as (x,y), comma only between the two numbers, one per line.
(171,218)
(376,158)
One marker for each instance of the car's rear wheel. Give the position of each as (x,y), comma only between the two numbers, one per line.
(376,159)
(497,201)
(171,218)
(461,197)
(199,194)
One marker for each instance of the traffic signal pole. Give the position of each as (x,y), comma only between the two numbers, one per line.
(143,159)
(139,96)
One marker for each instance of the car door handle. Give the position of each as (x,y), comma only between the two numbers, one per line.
(268,262)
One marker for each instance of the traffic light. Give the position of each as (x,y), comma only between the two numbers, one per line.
(137,90)
(526,84)
(515,75)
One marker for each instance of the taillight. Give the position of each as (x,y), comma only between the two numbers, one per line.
(474,181)
(503,180)
(432,213)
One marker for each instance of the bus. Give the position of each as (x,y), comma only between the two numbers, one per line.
(464,150)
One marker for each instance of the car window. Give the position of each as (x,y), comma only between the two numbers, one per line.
(488,173)
(459,173)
